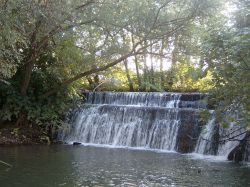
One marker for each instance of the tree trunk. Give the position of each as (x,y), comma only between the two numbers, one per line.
(27,72)
(137,67)
(138,74)
(97,83)
(30,62)
(175,51)
(145,71)
(28,68)
(152,81)
(161,66)
(130,82)
(91,83)
(26,78)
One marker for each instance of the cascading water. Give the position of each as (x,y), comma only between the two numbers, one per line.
(150,99)
(205,141)
(215,140)
(165,121)
(144,120)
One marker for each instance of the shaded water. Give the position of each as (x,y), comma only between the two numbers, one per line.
(65,165)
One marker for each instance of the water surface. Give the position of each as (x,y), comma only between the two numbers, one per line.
(65,165)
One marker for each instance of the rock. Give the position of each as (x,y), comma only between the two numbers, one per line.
(76,143)
(188,132)
(242,151)
(237,154)
(58,142)
(199,171)
(247,153)
(192,96)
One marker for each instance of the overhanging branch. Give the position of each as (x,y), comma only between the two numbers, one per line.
(95,70)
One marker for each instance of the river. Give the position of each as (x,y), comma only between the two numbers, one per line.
(66,165)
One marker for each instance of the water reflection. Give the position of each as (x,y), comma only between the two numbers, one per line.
(91,166)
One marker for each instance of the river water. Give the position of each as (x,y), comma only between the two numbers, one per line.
(66,165)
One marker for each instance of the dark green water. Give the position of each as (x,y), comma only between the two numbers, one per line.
(35,166)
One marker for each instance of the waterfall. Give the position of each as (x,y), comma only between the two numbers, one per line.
(205,141)
(165,121)
(219,141)
(142,120)
(150,99)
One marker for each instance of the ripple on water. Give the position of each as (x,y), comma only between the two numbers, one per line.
(92,166)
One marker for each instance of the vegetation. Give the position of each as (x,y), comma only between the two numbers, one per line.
(49,50)
(227,49)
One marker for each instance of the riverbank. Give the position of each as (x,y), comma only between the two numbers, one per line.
(28,135)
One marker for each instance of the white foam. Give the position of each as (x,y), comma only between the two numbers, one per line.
(212,158)
(124,147)
(195,156)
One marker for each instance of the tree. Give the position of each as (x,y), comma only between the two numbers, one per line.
(47,47)
(227,49)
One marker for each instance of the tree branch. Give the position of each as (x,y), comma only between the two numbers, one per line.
(233,137)
(158,13)
(86,73)
(95,70)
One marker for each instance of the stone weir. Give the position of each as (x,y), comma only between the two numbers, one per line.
(155,99)
(152,120)
(165,121)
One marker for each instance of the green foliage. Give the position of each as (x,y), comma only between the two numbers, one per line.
(187,77)
(15,131)
(44,112)
(184,77)
(205,115)
(228,50)
(51,43)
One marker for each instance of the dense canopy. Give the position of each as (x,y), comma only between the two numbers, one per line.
(52,50)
